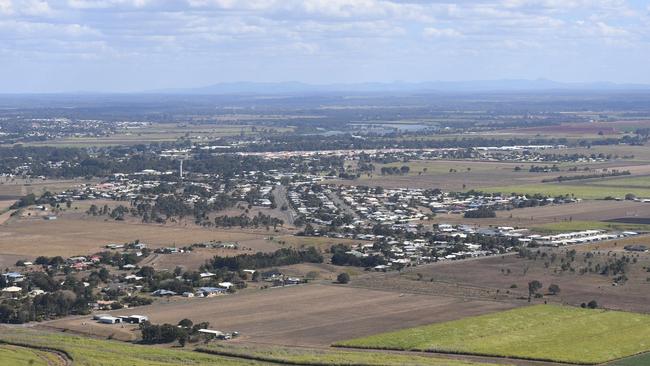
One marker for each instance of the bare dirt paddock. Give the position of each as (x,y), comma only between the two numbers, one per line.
(309,315)
(67,237)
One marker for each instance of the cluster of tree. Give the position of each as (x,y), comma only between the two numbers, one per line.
(61,299)
(245,221)
(341,257)
(393,170)
(542,169)
(183,332)
(480,213)
(281,257)
(562,178)
(593,304)
(133,301)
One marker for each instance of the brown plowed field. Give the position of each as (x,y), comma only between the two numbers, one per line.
(314,314)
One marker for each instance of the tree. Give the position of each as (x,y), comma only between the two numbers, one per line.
(592,304)
(186,323)
(533,287)
(343,278)
(554,289)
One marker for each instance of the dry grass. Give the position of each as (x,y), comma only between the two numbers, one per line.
(70,236)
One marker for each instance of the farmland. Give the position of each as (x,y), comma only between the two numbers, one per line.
(582,190)
(310,356)
(21,356)
(300,315)
(84,351)
(157,133)
(91,352)
(71,236)
(544,332)
(506,278)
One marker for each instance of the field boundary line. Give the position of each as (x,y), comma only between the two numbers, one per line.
(478,354)
(60,353)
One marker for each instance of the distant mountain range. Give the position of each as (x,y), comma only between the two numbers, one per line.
(294,87)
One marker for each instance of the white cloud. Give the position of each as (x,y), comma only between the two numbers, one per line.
(441,32)
(6,7)
(359,32)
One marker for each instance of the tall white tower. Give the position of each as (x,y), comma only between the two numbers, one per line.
(180,170)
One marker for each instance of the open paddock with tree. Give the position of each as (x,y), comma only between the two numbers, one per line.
(605,272)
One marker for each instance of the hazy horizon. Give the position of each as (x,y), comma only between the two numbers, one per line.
(143,45)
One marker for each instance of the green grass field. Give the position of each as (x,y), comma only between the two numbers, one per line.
(564,226)
(93,352)
(20,356)
(628,182)
(542,332)
(334,357)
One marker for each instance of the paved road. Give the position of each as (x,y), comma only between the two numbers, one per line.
(342,205)
(280,195)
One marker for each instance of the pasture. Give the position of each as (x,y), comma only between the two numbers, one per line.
(464,175)
(583,211)
(93,352)
(506,278)
(542,332)
(319,357)
(161,132)
(584,190)
(21,356)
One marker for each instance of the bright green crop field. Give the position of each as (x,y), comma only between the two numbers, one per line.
(542,332)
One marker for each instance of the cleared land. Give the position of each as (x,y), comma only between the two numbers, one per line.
(579,190)
(14,188)
(311,315)
(460,175)
(505,278)
(592,211)
(70,236)
(161,132)
(544,332)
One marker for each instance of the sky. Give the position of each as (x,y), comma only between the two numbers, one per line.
(136,45)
